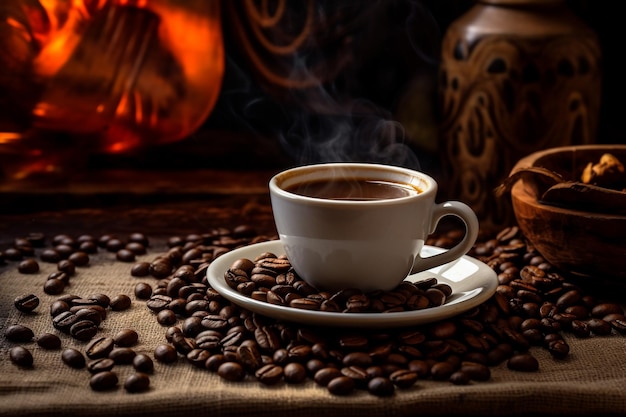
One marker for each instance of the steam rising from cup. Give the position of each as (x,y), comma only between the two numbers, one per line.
(325,77)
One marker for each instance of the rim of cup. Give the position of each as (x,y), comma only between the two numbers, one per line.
(424,182)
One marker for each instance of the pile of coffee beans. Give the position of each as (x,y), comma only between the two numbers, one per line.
(68,253)
(533,307)
(80,318)
(270,278)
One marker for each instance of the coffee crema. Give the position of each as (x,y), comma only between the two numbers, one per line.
(354,189)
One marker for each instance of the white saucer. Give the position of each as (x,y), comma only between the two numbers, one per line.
(472,282)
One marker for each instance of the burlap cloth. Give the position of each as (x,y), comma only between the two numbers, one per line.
(592,380)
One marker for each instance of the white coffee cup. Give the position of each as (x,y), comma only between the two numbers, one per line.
(336,242)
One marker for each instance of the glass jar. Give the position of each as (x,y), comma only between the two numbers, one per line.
(103,76)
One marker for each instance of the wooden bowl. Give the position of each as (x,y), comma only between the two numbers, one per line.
(580,242)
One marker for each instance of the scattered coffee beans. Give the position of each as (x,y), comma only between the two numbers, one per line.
(533,306)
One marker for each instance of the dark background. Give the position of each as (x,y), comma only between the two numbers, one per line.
(379,106)
(256,125)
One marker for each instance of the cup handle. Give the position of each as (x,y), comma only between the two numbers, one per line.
(467,215)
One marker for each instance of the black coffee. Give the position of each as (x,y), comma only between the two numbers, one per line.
(357,189)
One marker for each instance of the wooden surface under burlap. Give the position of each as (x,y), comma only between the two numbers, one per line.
(591,381)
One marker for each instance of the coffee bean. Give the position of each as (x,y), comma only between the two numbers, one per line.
(357,374)
(231,371)
(137,382)
(198,357)
(79,258)
(137,248)
(103,381)
(269,374)
(28,266)
(88,247)
(215,361)
(459,378)
(619,325)
(294,373)
(475,371)
(341,385)
(58,307)
(441,371)
(140,269)
(100,365)
(64,321)
(165,354)
(143,291)
(125,255)
(100,347)
(89,314)
(122,355)
(82,302)
(21,356)
(158,302)
(599,326)
(26,303)
(126,337)
(60,275)
(160,269)
(381,386)
(604,309)
(49,341)
(143,363)
(53,286)
(64,250)
(403,378)
(523,362)
(83,330)
(102,300)
(114,244)
(182,344)
(558,348)
(120,302)
(73,358)
(67,266)
(360,359)
(249,356)
(37,239)
(19,333)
